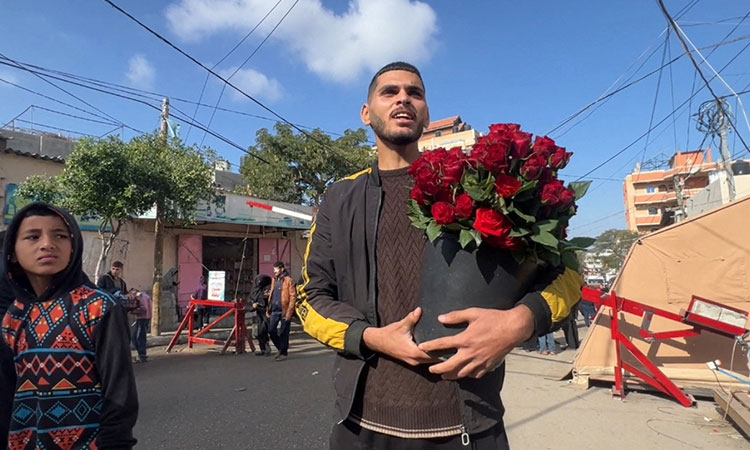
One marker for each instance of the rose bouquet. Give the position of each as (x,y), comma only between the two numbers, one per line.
(504,194)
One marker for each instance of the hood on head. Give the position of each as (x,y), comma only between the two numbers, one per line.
(70,277)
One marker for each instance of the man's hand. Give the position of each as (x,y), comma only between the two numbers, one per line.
(481,347)
(395,340)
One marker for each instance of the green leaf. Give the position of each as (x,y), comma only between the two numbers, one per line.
(518,232)
(570,260)
(422,225)
(433,231)
(547,225)
(580,188)
(546,239)
(527,217)
(581,242)
(477,236)
(465,238)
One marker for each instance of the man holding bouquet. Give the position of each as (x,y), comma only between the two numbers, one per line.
(359,293)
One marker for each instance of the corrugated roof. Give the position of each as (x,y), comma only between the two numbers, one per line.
(33,155)
(442,123)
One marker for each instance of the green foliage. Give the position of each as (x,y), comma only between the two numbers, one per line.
(41,188)
(619,242)
(302,167)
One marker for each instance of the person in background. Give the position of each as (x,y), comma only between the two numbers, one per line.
(112,281)
(200,294)
(547,345)
(141,311)
(259,303)
(86,395)
(283,297)
(7,372)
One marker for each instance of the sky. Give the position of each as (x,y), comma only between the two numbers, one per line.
(309,61)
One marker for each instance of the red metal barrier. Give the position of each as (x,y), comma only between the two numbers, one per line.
(238,333)
(651,374)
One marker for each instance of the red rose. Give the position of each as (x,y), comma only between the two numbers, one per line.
(430,187)
(443,213)
(435,157)
(533,166)
(544,146)
(491,152)
(464,206)
(559,158)
(507,243)
(551,193)
(521,145)
(491,223)
(418,195)
(503,128)
(453,166)
(545,176)
(444,195)
(506,185)
(567,196)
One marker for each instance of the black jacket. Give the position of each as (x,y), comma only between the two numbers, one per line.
(106,283)
(338,298)
(84,321)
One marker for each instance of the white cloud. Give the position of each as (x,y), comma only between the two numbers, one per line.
(336,46)
(7,76)
(252,82)
(141,73)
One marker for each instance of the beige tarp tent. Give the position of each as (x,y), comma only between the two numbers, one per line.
(707,256)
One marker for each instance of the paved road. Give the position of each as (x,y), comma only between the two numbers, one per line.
(198,399)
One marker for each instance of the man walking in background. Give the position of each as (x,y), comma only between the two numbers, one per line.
(283,297)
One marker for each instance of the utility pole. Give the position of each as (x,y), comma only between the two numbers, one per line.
(159,236)
(725,157)
(713,118)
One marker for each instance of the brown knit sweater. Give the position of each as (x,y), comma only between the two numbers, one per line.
(395,398)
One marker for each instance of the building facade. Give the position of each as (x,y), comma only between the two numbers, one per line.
(228,235)
(448,133)
(652,196)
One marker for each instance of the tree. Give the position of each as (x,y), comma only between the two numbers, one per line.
(301,166)
(614,246)
(116,181)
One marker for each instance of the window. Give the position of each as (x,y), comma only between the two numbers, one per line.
(650,189)
(662,188)
(438,133)
(653,211)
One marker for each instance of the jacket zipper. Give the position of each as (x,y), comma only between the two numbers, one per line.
(465,439)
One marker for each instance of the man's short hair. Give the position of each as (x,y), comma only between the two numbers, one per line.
(279,264)
(118,264)
(398,65)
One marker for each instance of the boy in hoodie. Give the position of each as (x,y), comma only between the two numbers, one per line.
(74,385)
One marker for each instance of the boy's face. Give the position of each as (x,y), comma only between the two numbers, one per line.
(116,271)
(43,246)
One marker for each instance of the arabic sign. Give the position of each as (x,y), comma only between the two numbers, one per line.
(216,283)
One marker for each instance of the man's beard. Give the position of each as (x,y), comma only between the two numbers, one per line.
(400,138)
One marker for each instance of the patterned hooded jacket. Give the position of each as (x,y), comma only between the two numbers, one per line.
(69,350)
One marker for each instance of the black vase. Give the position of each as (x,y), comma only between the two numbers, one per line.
(454,278)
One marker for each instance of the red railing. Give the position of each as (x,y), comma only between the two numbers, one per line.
(238,333)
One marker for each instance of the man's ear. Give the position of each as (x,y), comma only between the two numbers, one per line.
(364,114)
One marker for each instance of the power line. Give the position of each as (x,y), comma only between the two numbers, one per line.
(221,94)
(227,82)
(154,96)
(666,117)
(620,89)
(73,115)
(208,75)
(52,127)
(20,66)
(681,37)
(50,98)
(656,96)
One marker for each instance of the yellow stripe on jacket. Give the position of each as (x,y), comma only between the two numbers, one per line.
(563,293)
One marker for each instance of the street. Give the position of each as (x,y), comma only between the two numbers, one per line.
(198,399)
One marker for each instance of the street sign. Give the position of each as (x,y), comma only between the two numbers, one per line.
(216,281)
